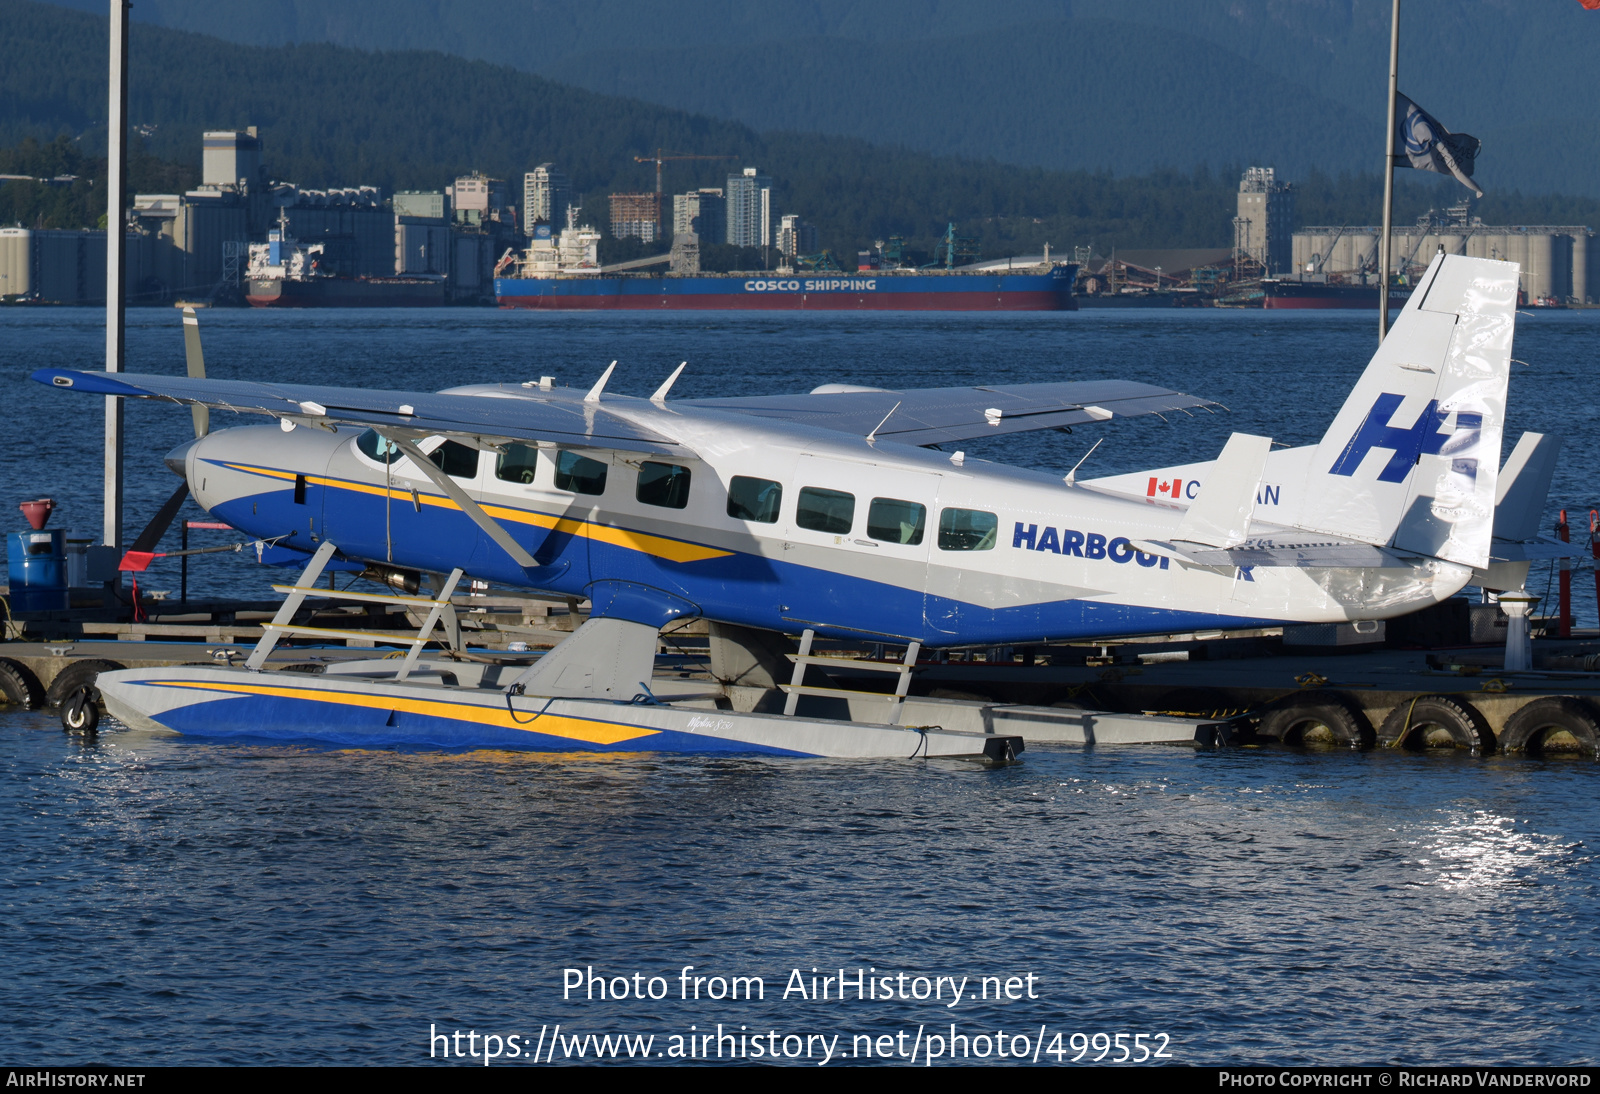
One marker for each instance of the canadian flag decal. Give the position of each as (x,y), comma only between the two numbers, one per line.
(1161,486)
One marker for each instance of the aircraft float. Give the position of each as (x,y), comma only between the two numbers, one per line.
(846,512)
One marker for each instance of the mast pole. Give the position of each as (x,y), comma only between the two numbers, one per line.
(1388,177)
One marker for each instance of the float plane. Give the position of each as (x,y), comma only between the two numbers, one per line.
(850,512)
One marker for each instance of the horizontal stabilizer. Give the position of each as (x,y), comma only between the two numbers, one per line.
(1292,549)
(1537,549)
(1220,516)
(1524,484)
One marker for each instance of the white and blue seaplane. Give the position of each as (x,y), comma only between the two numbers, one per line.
(846,512)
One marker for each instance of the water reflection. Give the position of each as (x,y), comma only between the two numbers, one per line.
(1485,851)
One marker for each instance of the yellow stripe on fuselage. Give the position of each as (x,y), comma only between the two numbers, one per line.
(673,550)
(551,725)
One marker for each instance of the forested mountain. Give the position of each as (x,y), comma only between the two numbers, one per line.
(1123,86)
(75,194)
(336,116)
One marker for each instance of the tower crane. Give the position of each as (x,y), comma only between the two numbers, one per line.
(662,156)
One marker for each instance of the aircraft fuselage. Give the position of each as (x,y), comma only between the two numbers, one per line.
(782,527)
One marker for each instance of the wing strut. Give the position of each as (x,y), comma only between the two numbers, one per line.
(491,527)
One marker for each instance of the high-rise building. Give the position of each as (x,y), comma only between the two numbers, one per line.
(1263,230)
(635,215)
(796,237)
(703,212)
(749,198)
(546,193)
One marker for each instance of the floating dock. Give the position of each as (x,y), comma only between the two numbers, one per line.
(1210,690)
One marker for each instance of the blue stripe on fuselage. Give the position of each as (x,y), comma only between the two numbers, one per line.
(740,587)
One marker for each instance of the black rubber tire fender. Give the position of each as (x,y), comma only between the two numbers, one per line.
(19,685)
(1438,721)
(76,675)
(1320,714)
(1528,728)
(80,710)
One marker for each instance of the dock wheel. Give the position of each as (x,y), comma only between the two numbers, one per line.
(1438,721)
(20,686)
(1556,723)
(1315,718)
(80,711)
(76,675)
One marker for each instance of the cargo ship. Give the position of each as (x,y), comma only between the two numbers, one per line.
(1283,293)
(563,273)
(283,273)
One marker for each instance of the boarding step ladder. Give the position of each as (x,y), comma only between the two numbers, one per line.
(439,608)
(796,686)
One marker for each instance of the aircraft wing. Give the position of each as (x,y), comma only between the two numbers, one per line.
(564,421)
(930,416)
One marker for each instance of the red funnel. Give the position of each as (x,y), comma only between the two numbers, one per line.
(38,512)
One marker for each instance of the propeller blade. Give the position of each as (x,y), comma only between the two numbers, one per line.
(142,552)
(197,368)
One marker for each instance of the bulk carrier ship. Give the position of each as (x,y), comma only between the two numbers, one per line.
(1298,294)
(564,273)
(286,274)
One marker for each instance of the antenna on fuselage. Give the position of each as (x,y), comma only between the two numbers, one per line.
(873,436)
(661,392)
(600,384)
(1072,476)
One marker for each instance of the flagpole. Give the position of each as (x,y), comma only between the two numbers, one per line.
(1388,177)
(116,267)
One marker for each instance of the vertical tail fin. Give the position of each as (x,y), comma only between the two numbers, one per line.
(1411,459)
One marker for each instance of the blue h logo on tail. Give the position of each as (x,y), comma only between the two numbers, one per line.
(1409,443)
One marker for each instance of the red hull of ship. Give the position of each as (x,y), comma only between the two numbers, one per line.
(944,301)
(1304,303)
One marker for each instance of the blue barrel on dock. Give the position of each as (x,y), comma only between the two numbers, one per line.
(38,565)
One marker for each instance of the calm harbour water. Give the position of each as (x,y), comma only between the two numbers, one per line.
(173,901)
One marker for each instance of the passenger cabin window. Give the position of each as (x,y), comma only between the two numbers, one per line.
(664,484)
(375,447)
(517,463)
(825,510)
(754,499)
(580,474)
(895,521)
(456,460)
(967,530)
